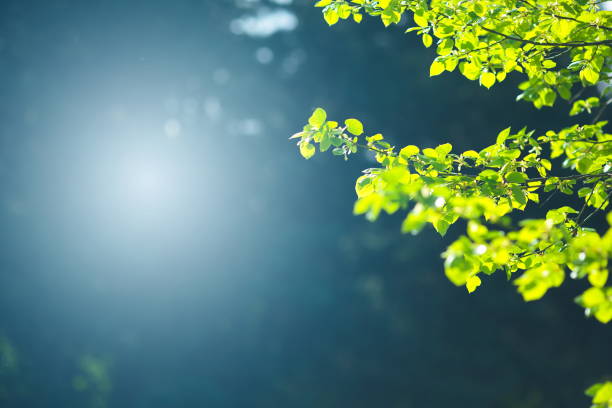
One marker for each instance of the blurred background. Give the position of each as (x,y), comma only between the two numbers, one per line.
(164,245)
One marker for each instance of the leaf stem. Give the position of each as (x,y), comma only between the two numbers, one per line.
(550,44)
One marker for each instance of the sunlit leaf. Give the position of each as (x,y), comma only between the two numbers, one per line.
(354,126)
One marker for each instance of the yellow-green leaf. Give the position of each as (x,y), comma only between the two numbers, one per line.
(604,395)
(317,119)
(436,68)
(307,150)
(516,177)
(487,79)
(589,76)
(592,297)
(444,149)
(469,70)
(354,126)
(502,136)
(472,283)
(604,313)
(383,4)
(450,64)
(420,20)
(344,11)
(331,16)
(583,165)
(598,277)
(409,151)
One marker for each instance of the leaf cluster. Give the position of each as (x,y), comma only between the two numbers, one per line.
(562,49)
(439,187)
(557,45)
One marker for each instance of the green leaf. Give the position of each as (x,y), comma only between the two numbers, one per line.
(592,297)
(445,47)
(471,154)
(472,283)
(592,390)
(427,40)
(470,70)
(344,11)
(444,149)
(516,177)
(604,394)
(488,174)
(451,63)
(414,222)
(502,136)
(519,195)
(317,119)
(535,282)
(322,3)
(430,153)
(354,126)
(458,269)
(441,226)
(584,165)
(589,76)
(556,216)
(547,97)
(550,78)
(564,91)
(476,231)
(331,16)
(325,142)
(604,313)
(598,277)
(487,79)
(307,150)
(436,68)
(420,20)
(374,138)
(409,151)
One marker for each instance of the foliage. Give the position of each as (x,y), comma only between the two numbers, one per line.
(440,187)
(555,44)
(93,380)
(562,49)
(602,395)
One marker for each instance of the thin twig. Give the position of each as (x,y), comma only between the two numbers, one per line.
(601,111)
(582,22)
(596,210)
(572,177)
(548,199)
(550,44)
(586,203)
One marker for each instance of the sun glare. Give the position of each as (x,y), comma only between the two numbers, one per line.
(145,182)
(143,186)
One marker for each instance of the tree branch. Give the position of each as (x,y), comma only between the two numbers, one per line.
(549,44)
